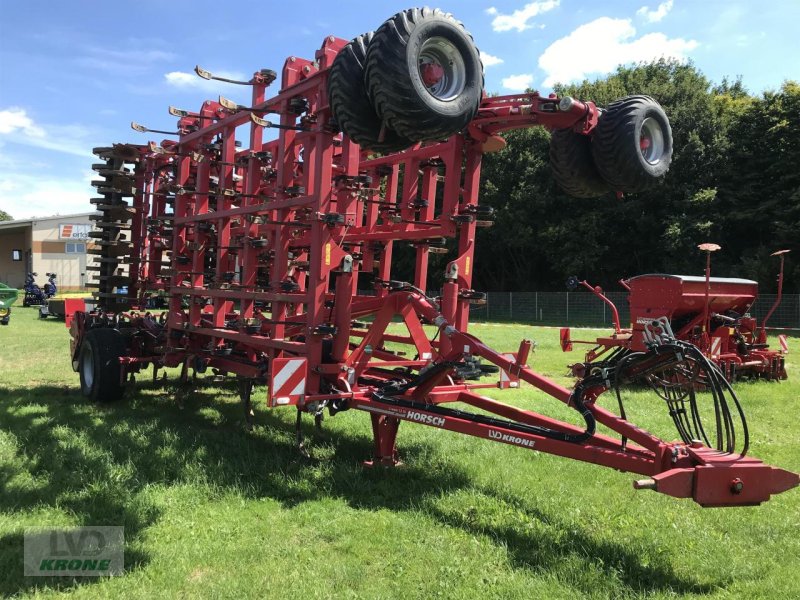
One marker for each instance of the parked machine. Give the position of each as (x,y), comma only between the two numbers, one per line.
(711,313)
(8,296)
(259,252)
(36,296)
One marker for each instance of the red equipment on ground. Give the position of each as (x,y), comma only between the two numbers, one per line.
(258,253)
(710,313)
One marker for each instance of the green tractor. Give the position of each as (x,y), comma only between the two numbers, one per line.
(7,297)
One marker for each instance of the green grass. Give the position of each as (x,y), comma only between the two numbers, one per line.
(211,510)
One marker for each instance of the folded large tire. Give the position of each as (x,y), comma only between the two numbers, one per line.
(350,104)
(632,144)
(424,74)
(573,166)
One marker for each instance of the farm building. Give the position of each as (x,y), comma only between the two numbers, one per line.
(45,244)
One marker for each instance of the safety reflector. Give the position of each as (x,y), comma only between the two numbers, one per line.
(287,386)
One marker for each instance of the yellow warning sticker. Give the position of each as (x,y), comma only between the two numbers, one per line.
(466,267)
(328,254)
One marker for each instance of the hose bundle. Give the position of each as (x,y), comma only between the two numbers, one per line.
(681,375)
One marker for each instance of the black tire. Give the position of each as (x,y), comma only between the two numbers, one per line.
(618,144)
(99,367)
(573,166)
(396,86)
(350,104)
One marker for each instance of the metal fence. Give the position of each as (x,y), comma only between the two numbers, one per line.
(582,308)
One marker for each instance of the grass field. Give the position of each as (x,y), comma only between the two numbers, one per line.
(211,510)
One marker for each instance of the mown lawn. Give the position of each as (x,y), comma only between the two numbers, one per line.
(211,510)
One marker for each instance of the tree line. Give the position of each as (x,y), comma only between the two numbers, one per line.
(734,181)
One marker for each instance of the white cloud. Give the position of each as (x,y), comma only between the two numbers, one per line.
(17,127)
(603,44)
(15,119)
(519,18)
(654,16)
(184,80)
(25,196)
(518,83)
(489,60)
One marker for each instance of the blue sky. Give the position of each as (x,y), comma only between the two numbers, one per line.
(74,74)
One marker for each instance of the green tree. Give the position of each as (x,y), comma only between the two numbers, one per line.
(760,190)
(4,216)
(542,235)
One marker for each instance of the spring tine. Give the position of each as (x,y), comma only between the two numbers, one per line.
(233,106)
(142,129)
(210,76)
(181,113)
(268,124)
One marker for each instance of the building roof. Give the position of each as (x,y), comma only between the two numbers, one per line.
(25,222)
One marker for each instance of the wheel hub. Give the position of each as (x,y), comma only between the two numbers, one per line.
(651,141)
(442,69)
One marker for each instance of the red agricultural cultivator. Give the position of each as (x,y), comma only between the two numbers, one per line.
(710,313)
(255,254)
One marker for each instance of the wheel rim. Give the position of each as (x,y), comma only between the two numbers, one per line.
(87,367)
(442,69)
(651,141)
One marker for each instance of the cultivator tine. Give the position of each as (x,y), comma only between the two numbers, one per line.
(264,77)
(267,124)
(142,129)
(181,113)
(155,148)
(231,105)
(178,112)
(299,438)
(245,395)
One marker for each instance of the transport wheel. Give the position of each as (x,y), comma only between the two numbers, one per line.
(632,144)
(350,104)
(424,74)
(573,166)
(98,365)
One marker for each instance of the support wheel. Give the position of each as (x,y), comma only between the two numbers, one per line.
(424,74)
(99,365)
(573,166)
(350,104)
(632,144)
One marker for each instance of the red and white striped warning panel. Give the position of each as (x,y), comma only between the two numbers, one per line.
(784,344)
(716,346)
(287,385)
(508,380)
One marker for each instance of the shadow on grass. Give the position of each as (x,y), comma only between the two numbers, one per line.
(93,462)
(553,541)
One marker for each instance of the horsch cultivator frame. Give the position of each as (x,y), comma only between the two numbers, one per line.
(258,253)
